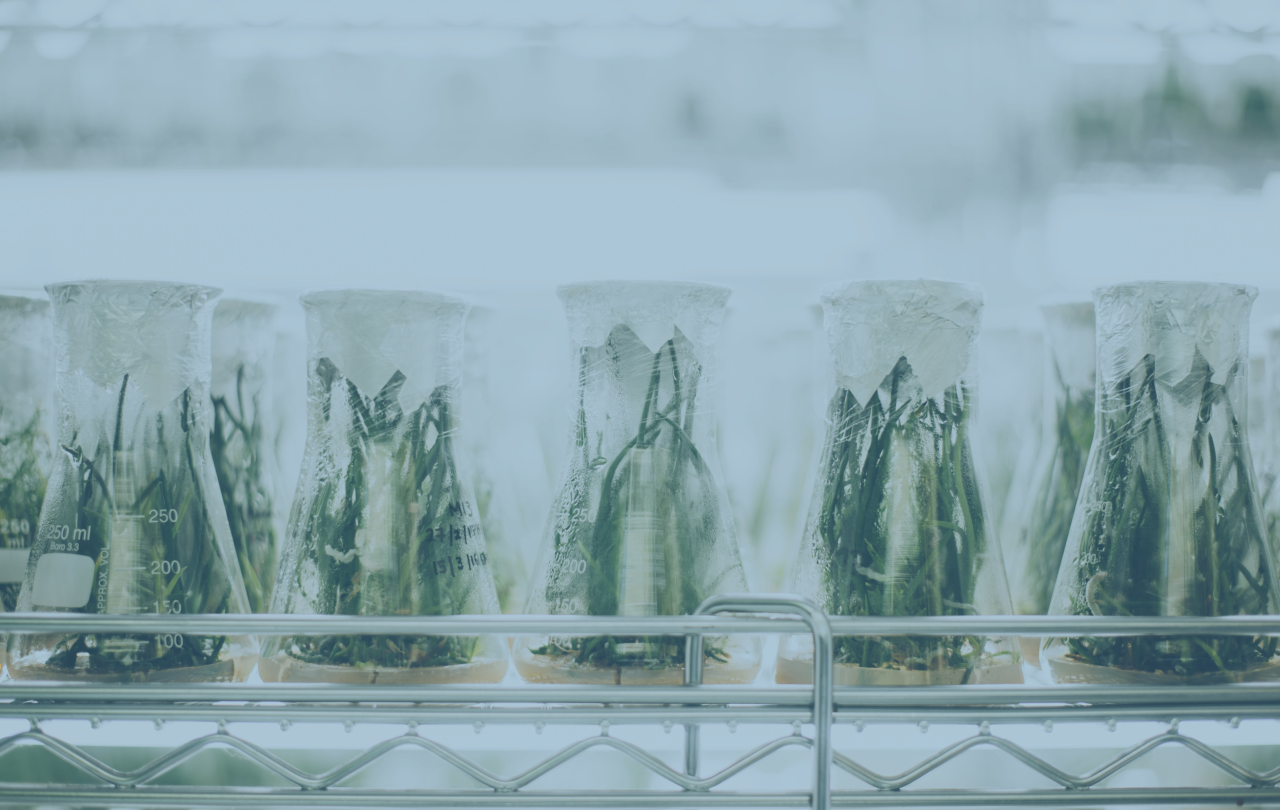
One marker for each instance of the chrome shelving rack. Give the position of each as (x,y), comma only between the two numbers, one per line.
(810,711)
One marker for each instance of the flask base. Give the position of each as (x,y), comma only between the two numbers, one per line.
(286,669)
(1031,649)
(230,670)
(800,671)
(1064,669)
(563,669)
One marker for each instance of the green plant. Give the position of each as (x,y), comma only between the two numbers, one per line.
(656,517)
(1043,536)
(23,462)
(900,528)
(1169,524)
(140,513)
(383,537)
(237,442)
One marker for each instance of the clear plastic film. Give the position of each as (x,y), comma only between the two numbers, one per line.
(1035,537)
(641,525)
(897,525)
(384,521)
(26,430)
(1168,521)
(242,441)
(132,522)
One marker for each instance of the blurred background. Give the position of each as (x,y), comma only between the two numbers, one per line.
(498,148)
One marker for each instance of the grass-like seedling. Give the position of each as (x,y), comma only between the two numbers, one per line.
(1169,526)
(238,444)
(140,514)
(645,547)
(23,466)
(387,533)
(900,525)
(1041,539)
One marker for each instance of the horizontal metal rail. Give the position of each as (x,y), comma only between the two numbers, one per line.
(846,699)
(400,715)
(269,624)
(172,797)
(361,713)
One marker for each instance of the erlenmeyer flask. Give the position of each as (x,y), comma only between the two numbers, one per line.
(1034,538)
(26,418)
(1006,434)
(1168,521)
(898,525)
(132,522)
(488,442)
(641,526)
(1268,465)
(384,522)
(243,439)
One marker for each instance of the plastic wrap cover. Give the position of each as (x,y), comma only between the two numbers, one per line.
(1168,520)
(871,324)
(653,310)
(369,335)
(641,523)
(243,338)
(156,332)
(384,521)
(898,525)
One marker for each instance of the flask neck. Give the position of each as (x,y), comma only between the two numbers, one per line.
(874,325)
(1176,333)
(157,334)
(411,341)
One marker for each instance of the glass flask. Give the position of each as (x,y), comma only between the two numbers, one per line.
(384,522)
(288,405)
(641,525)
(487,442)
(1006,434)
(132,522)
(1268,465)
(242,441)
(1259,433)
(26,418)
(1034,538)
(897,525)
(1168,521)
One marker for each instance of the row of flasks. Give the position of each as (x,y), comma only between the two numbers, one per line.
(156,493)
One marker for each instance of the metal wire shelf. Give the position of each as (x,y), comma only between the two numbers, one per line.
(817,709)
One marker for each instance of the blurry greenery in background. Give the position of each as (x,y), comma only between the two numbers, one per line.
(1175,121)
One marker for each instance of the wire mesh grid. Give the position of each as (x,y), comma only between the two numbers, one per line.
(796,718)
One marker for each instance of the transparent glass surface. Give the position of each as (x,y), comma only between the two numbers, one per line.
(1034,538)
(26,417)
(1168,521)
(488,439)
(132,523)
(898,525)
(242,440)
(641,525)
(384,522)
(1268,460)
